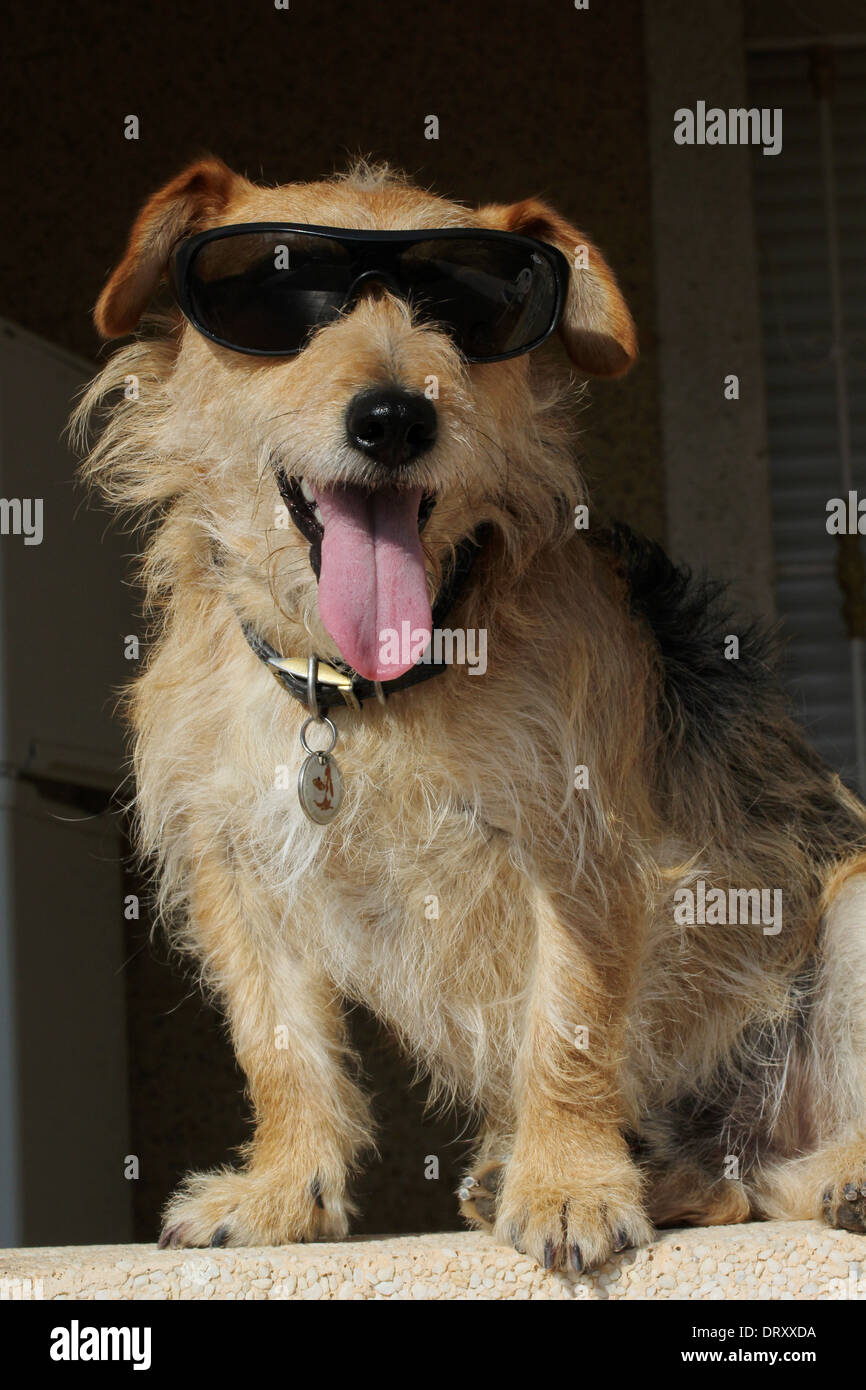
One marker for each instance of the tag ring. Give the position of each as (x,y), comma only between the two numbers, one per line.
(320,719)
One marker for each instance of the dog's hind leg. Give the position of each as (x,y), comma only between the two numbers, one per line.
(479,1194)
(310,1119)
(479,1191)
(683,1195)
(827,1178)
(680,1151)
(829,1183)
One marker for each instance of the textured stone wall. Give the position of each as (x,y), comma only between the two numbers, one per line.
(778,1261)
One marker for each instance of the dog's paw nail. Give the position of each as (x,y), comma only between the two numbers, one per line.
(828,1196)
(620,1241)
(575,1259)
(172,1236)
(220,1235)
(851,1192)
(494,1177)
(848,1218)
(550,1255)
(316,1191)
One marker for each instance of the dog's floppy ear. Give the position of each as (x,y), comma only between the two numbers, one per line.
(199,193)
(596,326)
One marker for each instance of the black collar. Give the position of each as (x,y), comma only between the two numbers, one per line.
(337,683)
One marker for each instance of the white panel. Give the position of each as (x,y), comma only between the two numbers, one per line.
(63,614)
(66,607)
(67,1134)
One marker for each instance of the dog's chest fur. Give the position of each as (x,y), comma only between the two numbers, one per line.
(411,900)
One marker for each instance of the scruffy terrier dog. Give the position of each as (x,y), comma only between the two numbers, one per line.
(550,873)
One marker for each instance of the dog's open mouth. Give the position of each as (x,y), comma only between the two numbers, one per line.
(365,550)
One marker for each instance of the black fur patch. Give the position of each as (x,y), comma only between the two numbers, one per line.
(730,713)
(704,694)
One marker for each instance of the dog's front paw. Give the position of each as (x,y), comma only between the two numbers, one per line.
(575,1224)
(844,1202)
(263,1207)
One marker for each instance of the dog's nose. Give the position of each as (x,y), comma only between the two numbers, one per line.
(392,426)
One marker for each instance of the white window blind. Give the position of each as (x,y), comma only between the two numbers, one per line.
(811,225)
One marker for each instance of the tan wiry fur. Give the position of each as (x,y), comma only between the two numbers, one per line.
(555,904)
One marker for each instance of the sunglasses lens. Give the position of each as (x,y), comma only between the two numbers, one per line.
(266,291)
(494,295)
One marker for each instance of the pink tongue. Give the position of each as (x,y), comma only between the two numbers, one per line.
(373,586)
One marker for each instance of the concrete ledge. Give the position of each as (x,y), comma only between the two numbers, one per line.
(772,1260)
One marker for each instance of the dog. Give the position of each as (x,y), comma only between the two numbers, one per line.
(373,439)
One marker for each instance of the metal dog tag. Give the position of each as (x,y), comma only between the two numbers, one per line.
(320,787)
(320,781)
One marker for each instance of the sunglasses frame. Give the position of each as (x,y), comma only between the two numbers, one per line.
(185,252)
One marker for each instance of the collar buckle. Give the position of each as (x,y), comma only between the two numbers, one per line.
(312,694)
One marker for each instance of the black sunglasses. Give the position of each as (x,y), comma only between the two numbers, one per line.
(264,287)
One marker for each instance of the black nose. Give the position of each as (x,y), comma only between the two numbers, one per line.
(392,426)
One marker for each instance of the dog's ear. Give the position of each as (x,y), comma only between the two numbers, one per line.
(596,326)
(184,205)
